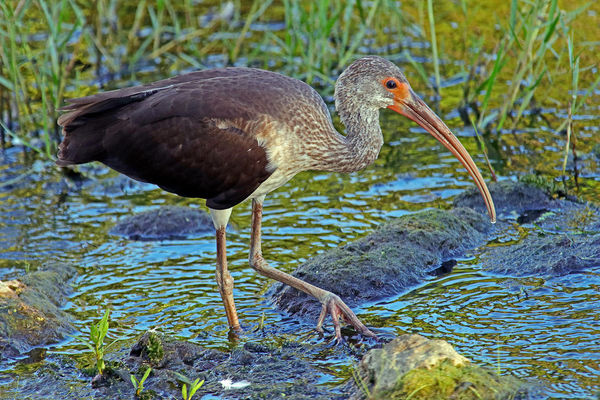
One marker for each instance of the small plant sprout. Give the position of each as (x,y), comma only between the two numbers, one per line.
(194,386)
(96,341)
(139,385)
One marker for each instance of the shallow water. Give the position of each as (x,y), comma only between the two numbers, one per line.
(543,329)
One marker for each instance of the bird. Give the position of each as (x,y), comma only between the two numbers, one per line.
(231,134)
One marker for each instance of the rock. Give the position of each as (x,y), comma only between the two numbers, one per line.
(405,353)
(544,255)
(510,198)
(164,223)
(537,250)
(394,257)
(419,368)
(30,314)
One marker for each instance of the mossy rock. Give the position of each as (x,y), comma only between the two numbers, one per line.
(30,313)
(396,256)
(412,366)
(164,223)
(447,381)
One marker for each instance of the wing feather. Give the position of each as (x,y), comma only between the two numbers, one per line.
(187,137)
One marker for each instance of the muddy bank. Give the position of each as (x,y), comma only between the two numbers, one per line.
(31,317)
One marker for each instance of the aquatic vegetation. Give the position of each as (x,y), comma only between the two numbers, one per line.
(194,386)
(548,185)
(154,348)
(139,385)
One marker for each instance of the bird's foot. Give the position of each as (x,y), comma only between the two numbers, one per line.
(333,305)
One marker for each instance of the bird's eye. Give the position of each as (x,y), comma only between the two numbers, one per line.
(391,84)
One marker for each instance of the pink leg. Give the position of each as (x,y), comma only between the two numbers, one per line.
(331,303)
(225,281)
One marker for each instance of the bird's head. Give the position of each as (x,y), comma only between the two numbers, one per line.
(374,83)
(365,81)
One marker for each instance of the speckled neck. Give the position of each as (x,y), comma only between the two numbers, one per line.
(360,147)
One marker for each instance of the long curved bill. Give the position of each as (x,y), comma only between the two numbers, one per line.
(414,108)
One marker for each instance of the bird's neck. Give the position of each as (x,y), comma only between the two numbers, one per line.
(360,147)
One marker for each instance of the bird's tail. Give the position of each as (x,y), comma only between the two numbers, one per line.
(85,122)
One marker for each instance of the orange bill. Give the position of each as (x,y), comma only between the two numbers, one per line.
(410,105)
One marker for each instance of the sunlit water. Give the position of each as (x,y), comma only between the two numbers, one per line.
(546,330)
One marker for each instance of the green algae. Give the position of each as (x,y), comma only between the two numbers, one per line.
(447,381)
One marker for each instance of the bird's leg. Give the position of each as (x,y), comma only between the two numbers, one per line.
(224,279)
(331,303)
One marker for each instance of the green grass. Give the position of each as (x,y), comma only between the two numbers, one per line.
(529,53)
(35,74)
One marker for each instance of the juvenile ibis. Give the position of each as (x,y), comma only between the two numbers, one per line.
(231,134)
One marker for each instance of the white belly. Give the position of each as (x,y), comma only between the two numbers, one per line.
(279,178)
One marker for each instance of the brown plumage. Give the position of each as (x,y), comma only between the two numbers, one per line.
(229,134)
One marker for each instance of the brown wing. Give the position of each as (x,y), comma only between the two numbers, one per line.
(193,135)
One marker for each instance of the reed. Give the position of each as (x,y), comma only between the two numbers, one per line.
(434,47)
(35,69)
(530,44)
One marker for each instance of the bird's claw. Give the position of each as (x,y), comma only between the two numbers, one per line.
(339,310)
